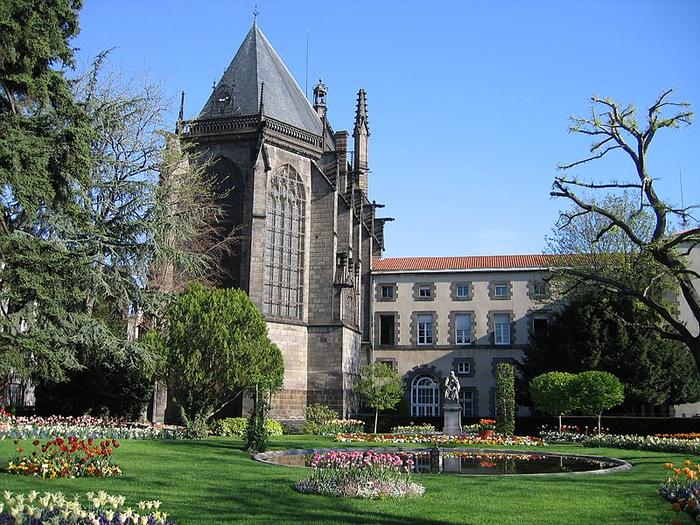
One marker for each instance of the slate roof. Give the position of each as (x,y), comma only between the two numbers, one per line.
(256,62)
(472,262)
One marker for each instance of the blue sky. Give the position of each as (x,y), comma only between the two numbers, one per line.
(468,101)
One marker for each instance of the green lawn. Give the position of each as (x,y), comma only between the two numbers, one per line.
(214,481)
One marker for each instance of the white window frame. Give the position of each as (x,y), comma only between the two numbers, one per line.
(425,292)
(424,326)
(542,288)
(465,288)
(387,288)
(497,287)
(462,336)
(425,396)
(501,329)
(467,368)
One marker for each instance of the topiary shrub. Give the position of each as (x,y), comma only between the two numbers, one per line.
(505,399)
(597,391)
(554,393)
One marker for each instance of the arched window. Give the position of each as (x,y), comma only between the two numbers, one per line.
(284,244)
(425,396)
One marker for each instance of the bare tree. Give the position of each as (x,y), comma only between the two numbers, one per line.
(615,127)
(191,233)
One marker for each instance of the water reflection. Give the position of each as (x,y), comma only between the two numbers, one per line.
(478,462)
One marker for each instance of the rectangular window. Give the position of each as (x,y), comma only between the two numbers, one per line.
(539,288)
(425,329)
(463,329)
(425,291)
(466,400)
(387,291)
(500,290)
(386,330)
(462,291)
(501,329)
(539,326)
(464,367)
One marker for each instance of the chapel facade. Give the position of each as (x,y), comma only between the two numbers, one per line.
(298,199)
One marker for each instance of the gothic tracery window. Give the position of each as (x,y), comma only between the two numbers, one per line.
(284,244)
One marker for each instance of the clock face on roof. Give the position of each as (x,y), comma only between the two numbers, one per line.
(223,98)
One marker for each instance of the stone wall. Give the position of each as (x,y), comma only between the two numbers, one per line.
(292,340)
(322,249)
(325,374)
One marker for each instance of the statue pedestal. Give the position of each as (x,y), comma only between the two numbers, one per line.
(452,413)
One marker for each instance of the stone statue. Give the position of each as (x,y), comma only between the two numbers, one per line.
(452,388)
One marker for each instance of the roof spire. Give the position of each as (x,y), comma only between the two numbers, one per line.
(361,112)
(360,135)
(181,114)
(255,62)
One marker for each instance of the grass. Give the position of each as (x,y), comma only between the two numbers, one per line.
(214,481)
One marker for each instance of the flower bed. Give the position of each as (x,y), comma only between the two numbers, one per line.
(690,435)
(652,443)
(568,434)
(69,458)
(334,426)
(82,427)
(425,428)
(439,439)
(101,508)
(682,489)
(361,474)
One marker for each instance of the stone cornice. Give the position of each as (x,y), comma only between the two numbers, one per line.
(282,134)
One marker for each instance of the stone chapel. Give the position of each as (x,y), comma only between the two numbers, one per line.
(308,231)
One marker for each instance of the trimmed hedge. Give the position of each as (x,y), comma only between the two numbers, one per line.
(620,425)
(236,426)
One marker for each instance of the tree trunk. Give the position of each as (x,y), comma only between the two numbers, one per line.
(376,417)
(694,347)
(559,422)
(599,424)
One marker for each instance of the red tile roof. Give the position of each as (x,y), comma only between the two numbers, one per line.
(472,262)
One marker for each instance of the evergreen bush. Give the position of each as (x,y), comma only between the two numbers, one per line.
(505,399)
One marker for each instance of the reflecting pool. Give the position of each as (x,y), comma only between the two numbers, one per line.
(472,461)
